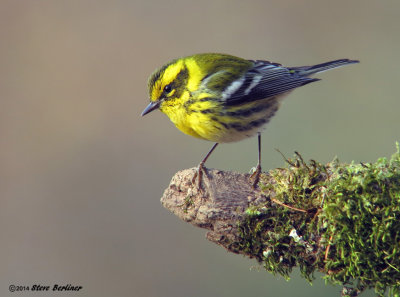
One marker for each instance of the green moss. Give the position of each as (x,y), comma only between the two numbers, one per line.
(362,215)
(341,219)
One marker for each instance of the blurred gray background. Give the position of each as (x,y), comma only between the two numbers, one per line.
(82,173)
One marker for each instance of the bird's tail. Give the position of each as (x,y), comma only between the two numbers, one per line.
(310,70)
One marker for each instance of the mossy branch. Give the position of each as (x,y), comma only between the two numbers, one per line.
(340,219)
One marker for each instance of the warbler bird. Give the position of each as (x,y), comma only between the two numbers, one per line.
(223,98)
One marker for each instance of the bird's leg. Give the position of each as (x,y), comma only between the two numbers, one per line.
(200,169)
(256,173)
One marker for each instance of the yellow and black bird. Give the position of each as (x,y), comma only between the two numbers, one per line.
(223,98)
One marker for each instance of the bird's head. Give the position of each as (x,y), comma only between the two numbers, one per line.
(167,85)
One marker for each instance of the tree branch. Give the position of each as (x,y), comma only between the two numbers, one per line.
(340,219)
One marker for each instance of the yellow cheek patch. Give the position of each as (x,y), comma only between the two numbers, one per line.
(171,93)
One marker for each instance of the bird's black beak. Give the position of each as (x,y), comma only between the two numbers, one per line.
(152,106)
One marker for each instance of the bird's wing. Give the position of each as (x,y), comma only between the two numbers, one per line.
(263,80)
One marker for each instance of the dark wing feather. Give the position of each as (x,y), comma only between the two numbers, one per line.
(265,80)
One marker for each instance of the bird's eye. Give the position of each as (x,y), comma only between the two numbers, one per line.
(167,88)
